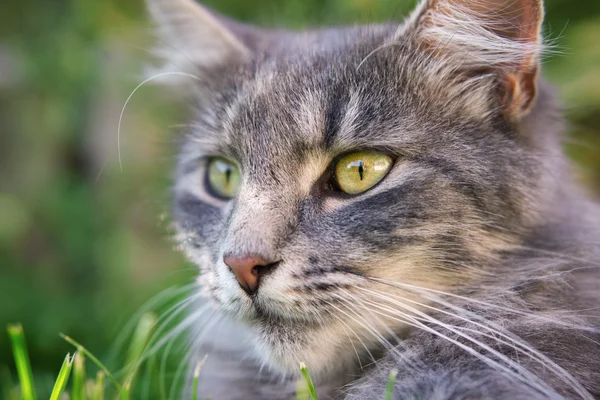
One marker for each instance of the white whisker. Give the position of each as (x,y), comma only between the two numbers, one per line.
(346,328)
(151,304)
(513,342)
(426,292)
(193,341)
(357,336)
(150,79)
(524,376)
(189,321)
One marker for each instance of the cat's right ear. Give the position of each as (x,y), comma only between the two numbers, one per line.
(194,40)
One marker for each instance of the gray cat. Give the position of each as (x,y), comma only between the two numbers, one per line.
(383,197)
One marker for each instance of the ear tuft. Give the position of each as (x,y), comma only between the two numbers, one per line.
(502,37)
(192,38)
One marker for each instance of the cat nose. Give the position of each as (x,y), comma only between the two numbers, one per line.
(249,269)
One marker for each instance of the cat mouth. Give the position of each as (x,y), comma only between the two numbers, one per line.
(280,324)
(264,313)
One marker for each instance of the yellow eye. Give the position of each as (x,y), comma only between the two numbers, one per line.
(223,177)
(358,172)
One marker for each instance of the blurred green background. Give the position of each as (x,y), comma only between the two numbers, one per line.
(84,245)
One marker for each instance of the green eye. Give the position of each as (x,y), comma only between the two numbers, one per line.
(358,172)
(223,177)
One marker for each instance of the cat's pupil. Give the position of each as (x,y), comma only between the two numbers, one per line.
(361,170)
(228,175)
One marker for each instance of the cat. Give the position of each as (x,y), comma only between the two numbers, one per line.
(382,198)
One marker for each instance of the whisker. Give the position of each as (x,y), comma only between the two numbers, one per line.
(357,336)
(150,79)
(531,352)
(399,341)
(155,301)
(185,324)
(178,307)
(380,338)
(423,291)
(163,367)
(346,327)
(146,354)
(193,341)
(562,256)
(524,376)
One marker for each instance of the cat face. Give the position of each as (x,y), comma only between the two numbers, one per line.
(271,199)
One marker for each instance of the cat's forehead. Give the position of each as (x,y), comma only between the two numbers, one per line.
(297,105)
(363,93)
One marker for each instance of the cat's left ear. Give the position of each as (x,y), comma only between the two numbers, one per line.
(198,41)
(502,37)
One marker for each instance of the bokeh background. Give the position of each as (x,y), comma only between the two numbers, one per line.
(83,244)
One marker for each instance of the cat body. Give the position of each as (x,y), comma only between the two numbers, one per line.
(471,266)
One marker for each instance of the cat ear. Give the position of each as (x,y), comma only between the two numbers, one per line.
(482,36)
(195,40)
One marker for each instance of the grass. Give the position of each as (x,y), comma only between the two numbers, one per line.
(83,387)
(17,338)
(63,377)
(310,387)
(80,370)
(389,391)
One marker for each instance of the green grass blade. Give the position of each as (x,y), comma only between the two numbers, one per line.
(17,338)
(312,392)
(78,389)
(99,387)
(63,377)
(126,391)
(301,391)
(95,361)
(195,385)
(138,344)
(197,377)
(390,385)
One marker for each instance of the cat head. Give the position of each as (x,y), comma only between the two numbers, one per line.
(326,171)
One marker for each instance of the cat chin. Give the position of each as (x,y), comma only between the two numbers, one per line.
(321,348)
(282,341)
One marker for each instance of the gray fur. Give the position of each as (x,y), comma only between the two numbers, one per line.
(477,234)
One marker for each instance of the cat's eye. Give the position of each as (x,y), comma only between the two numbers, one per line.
(223,177)
(356,173)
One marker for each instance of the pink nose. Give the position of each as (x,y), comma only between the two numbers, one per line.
(248,270)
